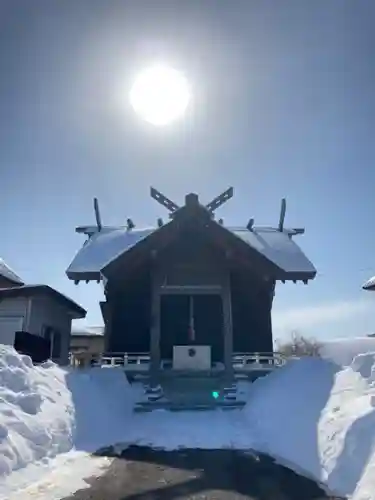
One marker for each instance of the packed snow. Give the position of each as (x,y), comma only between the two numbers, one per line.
(316,417)
(36,411)
(313,415)
(38,424)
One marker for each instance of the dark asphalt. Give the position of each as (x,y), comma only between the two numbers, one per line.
(145,474)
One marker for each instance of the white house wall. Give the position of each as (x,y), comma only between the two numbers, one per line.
(47,312)
(15,308)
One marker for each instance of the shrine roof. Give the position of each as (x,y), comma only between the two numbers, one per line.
(104,246)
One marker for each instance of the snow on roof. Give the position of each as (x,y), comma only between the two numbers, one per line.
(87,331)
(8,273)
(369,284)
(104,246)
(278,247)
(27,290)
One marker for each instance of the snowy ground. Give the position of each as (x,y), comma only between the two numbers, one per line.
(313,415)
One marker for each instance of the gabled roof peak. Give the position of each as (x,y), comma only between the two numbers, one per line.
(191,201)
(8,273)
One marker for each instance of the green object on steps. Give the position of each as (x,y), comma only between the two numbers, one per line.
(192,393)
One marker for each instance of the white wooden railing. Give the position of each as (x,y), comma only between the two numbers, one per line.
(259,360)
(241,361)
(126,359)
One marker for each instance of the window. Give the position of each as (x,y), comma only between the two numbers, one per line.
(54,338)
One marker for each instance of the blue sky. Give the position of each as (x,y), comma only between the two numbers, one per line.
(283,105)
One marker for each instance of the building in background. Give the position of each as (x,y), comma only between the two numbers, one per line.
(38,311)
(86,344)
(369,285)
(8,278)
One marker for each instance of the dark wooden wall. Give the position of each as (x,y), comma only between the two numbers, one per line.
(130,310)
(251,313)
(190,261)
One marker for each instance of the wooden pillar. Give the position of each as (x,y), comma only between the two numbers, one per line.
(107,308)
(269,318)
(228,330)
(155,334)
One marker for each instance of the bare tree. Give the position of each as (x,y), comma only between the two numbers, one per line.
(298,345)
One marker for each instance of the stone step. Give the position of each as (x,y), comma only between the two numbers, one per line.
(147,406)
(193,392)
(187,394)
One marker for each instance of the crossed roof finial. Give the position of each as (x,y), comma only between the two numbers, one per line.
(190,199)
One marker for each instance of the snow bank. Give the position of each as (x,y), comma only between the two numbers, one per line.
(204,430)
(314,415)
(320,420)
(103,406)
(51,419)
(104,401)
(36,411)
(46,410)
(343,351)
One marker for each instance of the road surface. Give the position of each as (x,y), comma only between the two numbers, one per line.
(145,474)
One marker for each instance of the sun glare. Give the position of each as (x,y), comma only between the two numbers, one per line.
(160,95)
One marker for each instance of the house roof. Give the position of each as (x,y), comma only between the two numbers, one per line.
(87,331)
(27,290)
(8,273)
(107,245)
(369,284)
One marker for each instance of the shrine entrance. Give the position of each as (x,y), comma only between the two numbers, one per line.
(191,319)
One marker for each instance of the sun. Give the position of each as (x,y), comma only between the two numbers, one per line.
(160,95)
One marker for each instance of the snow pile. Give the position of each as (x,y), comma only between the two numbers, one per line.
(36,412)
(204,430)
(319,419)
(103,406)
(104,403)
(343,351)
(46,410)
(314,415)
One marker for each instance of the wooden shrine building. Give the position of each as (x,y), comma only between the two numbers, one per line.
(191,291)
